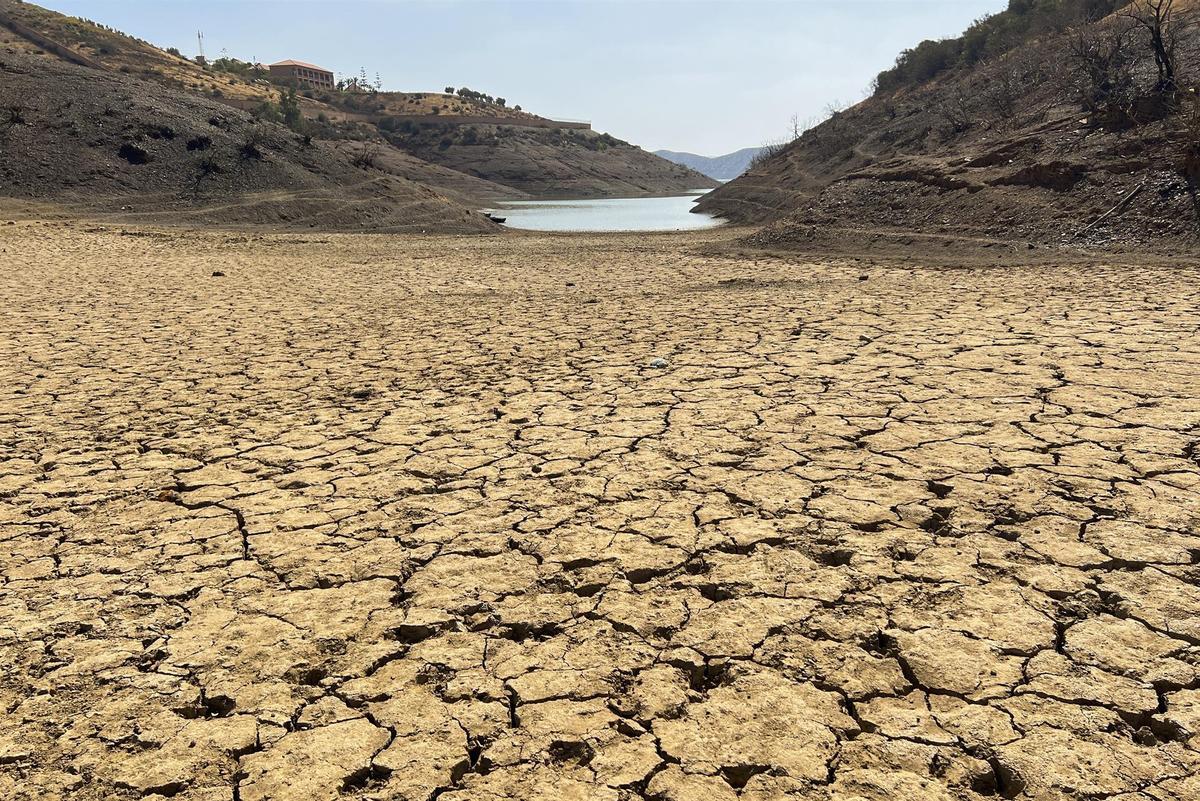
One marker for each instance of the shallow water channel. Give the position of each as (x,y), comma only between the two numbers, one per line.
(609,214)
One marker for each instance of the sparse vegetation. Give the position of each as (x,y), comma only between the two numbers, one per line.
(251,147)
(1158,20)
(367,156)
(477,97)
(289,109)
(1189,163)
(233,66)
(206,167)
(1007,84)
(957,113)
(989,37)
(1107,58)
(286,112)
(1103,66)
(133,154)
(768,151)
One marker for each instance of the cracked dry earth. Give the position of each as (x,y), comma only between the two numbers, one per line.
(404,518)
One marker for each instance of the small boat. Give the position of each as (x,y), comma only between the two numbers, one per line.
(495,219)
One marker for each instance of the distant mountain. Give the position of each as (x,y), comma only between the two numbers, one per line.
(722,168)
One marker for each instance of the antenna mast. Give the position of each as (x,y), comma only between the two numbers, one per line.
(200,41)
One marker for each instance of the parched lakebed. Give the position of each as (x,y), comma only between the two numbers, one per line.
(596,517)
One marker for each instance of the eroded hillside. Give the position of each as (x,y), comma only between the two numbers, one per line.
(550,162)
(105,143)
(443,146)
(1031,145)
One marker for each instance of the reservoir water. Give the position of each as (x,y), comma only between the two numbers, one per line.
(610,214)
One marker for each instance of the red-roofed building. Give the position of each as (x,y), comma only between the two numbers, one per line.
(300,72)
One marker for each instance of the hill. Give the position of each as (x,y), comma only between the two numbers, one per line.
(513,153)
(548,162)
(1057,133)
(104,143)
(722,168)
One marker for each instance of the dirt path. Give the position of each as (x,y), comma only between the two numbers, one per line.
(397,517)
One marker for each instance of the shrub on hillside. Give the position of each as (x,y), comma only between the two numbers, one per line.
(1103,62)
(1189,165)
(251,149)
(989,37)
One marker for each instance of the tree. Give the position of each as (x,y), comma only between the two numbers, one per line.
(1164,25)
(289,107)
(797,127)
(992,36)
(1104,70)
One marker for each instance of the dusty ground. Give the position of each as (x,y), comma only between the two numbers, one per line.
(396,518)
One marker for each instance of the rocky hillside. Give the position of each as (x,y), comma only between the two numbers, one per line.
(476,164)
(1060,134)
(114,51)
(722,168)
(548,162)
(105,143)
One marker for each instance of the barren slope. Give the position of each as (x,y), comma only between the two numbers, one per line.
(104,142)
(460,186)
(551,162)
(1000,150)
(118,52)
(536,161)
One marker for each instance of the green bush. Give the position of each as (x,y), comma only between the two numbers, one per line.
(289,108)
(990,36)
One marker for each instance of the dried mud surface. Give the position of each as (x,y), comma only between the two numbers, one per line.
(375,517)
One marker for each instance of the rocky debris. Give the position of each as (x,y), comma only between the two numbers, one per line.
(362,531)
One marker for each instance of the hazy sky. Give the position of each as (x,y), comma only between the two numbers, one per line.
(707,76)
